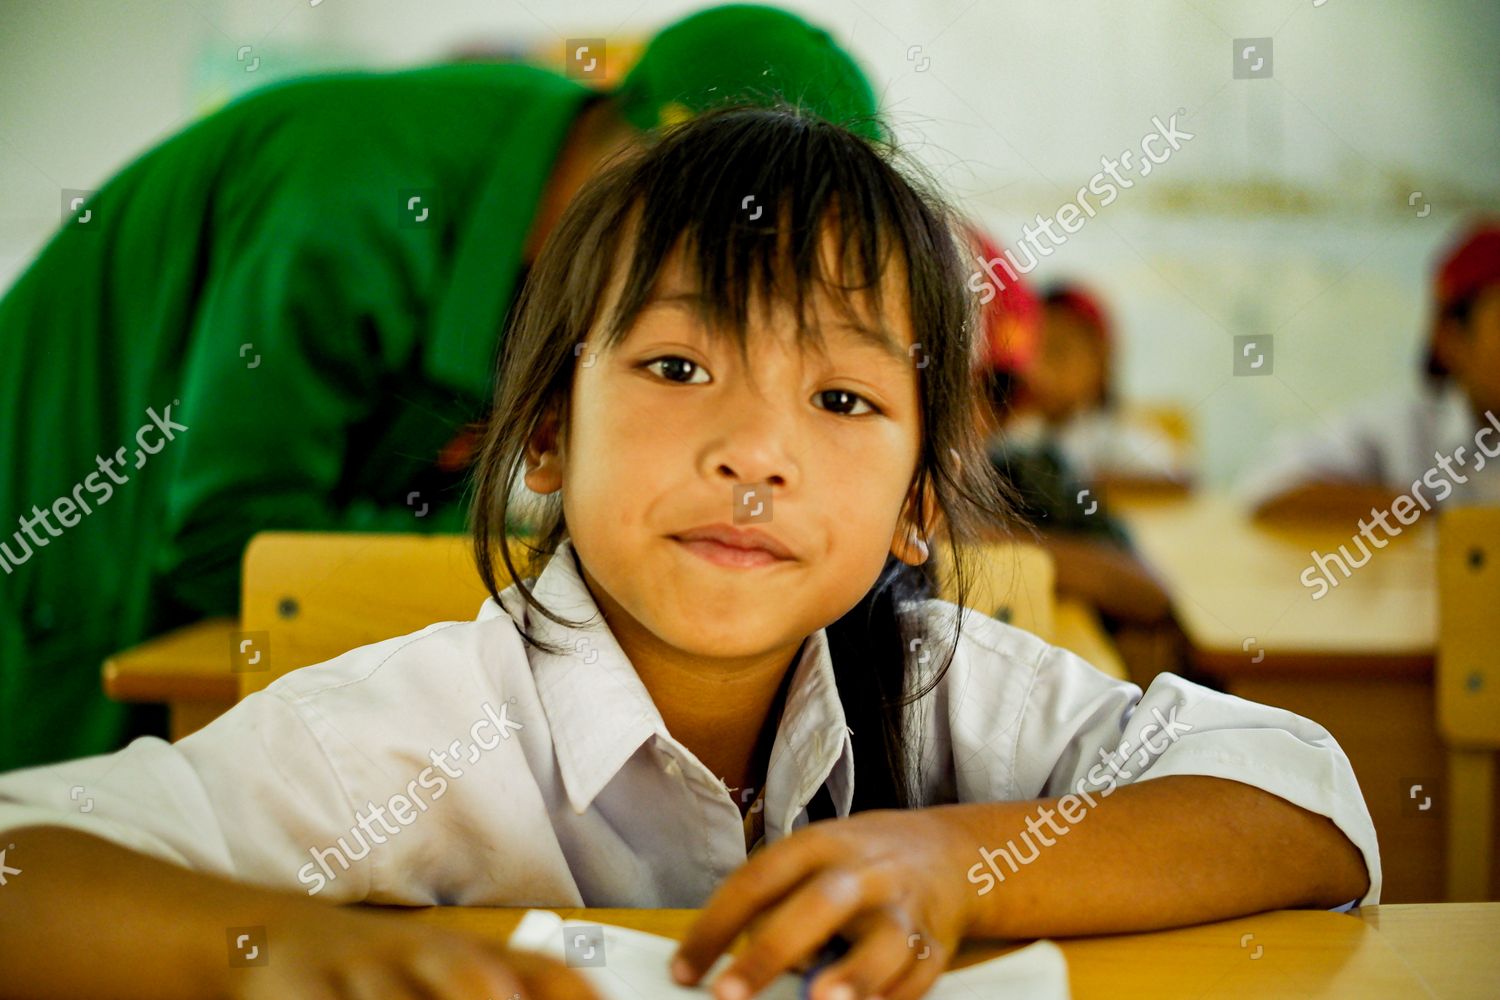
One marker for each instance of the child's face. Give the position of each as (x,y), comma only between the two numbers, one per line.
(664,427)
(1472,352)
(1069,372)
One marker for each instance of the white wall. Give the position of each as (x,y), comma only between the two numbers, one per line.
(1286,214)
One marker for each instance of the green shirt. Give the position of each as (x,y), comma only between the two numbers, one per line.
(297,301)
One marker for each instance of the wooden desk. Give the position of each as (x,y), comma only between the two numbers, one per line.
(1237,591)
(189,669)
(1359,660)
(1438,950)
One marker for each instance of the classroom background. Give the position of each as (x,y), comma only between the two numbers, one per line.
(1306,209)
(1323,156)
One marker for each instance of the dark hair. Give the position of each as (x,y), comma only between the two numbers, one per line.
(686,189)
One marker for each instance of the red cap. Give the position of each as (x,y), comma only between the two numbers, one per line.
(1085,305)
(1470,266)
(1010,322)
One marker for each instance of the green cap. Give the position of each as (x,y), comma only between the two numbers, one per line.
(745,54)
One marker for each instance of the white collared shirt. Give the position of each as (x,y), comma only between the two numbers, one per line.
(567,790)
(1394,443)
(1101,443)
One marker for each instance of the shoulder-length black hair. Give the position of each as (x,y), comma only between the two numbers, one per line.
(688,189)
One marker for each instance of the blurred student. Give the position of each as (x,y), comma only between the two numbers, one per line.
(1070,400)
(694,704)
(286,316)
(1441,445)
(1092,551)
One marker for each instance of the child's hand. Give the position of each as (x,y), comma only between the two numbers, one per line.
(889,880)
(322,952)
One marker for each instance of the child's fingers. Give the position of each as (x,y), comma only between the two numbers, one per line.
(374,980)
(811,915)
(878,959)
(917,979)
(278,989)
(543,978)
(462,974)
(750,889)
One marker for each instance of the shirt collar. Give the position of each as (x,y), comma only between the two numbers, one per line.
(600,712)
(813,742)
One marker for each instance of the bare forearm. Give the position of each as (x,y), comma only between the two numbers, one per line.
(1108,577)
(88,918)
(1162,853)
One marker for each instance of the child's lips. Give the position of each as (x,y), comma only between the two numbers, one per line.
(730,556)
(729,536)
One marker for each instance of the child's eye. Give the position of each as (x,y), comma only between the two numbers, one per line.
(844,397)
(675,366)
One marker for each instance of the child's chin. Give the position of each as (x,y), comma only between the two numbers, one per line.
(723,637)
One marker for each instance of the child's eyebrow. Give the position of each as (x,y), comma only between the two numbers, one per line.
(877,337)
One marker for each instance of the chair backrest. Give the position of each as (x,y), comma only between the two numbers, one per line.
(1011,581)
(309,596)
(1468,673)
(1170,419)
(1467,677)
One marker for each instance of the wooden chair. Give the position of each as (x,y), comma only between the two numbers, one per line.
(1016,583)
(1174,423)
(186,668)
(309,596)
(1012,581)
(1468,690)
(1171,419)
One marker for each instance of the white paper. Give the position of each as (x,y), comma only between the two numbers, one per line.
(635,966)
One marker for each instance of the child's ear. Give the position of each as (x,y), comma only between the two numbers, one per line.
(912,543)
(544,457)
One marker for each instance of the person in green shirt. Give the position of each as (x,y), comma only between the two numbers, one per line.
(285,316)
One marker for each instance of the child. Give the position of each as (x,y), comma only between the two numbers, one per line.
(1069,400)
(741,381)
(297,300)
(1436,446)
(1091,550)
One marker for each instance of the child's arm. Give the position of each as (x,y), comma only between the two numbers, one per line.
(1176,850)
(1333,470)
(85,917)
(135,865)
(1108,576)
(1179,804)
(1181,849)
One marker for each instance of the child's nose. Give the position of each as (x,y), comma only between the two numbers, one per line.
(753,443)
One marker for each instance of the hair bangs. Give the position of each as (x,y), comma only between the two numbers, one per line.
(755,224)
